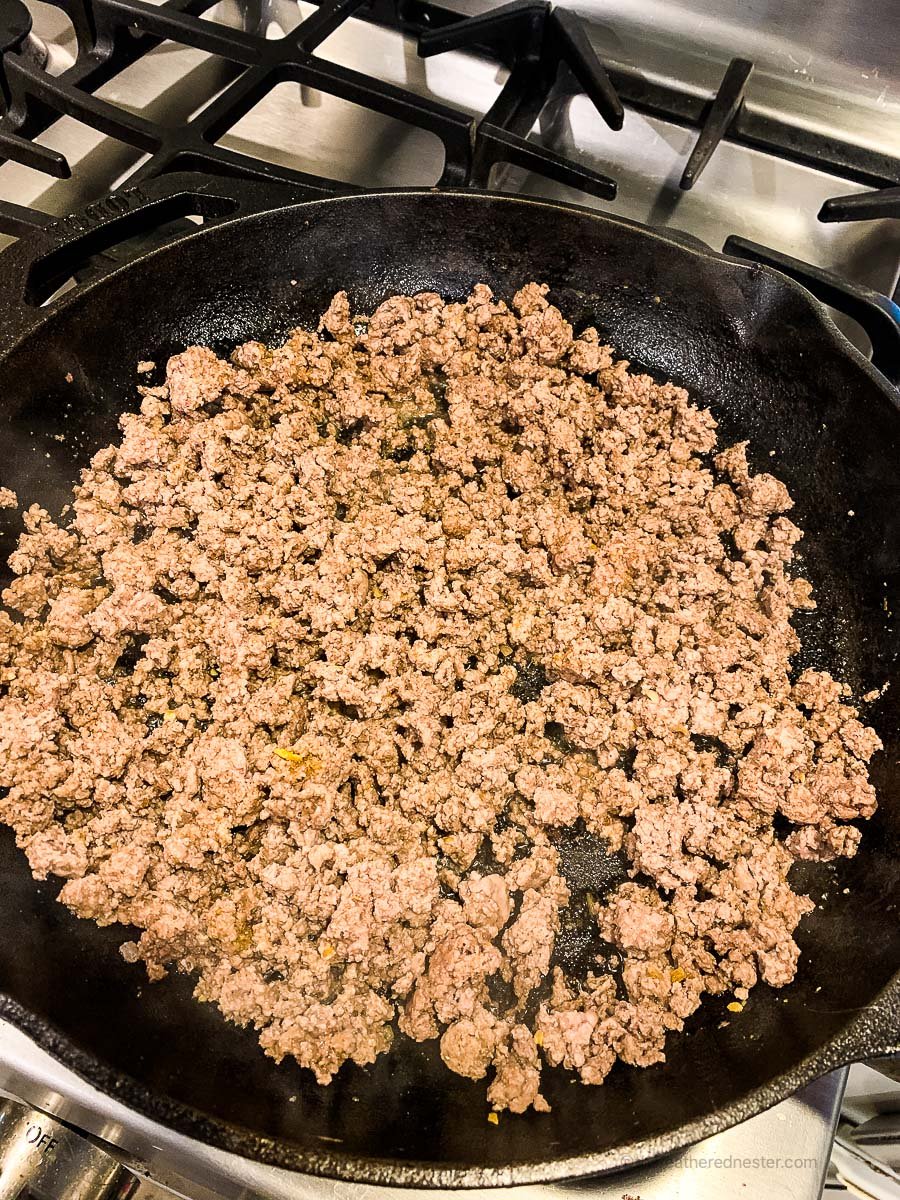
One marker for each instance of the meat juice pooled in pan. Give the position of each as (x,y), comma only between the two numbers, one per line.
(346,637)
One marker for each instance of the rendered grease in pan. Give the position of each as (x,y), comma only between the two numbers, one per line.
(425,676)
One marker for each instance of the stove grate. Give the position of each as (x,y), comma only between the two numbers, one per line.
(112,34)
(545,50)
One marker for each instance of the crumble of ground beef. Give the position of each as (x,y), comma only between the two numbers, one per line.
(344,634)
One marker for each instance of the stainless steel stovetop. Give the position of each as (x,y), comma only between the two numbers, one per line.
(833,68)
(831,71)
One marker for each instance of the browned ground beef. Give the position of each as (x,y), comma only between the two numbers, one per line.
(342,634)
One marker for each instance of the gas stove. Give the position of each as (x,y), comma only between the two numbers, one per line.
(773,136)
(781,139)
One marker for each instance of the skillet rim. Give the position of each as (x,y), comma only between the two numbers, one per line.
(874,1031)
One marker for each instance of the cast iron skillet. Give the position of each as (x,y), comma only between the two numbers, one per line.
(746,342)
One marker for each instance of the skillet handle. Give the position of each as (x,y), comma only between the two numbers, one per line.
(877,314)
(35,266)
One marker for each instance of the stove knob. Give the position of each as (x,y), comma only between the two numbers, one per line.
(42,1159)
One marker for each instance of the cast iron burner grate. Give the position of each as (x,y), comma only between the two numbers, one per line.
(545,50)
(114,33)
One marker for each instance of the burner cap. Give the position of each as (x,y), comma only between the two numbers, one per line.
(15,25)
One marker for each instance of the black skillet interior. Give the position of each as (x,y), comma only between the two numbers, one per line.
(745,343)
